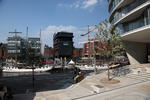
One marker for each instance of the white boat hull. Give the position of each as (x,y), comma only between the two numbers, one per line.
(16,70)
(97,67)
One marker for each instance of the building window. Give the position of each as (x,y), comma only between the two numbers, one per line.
(65,43)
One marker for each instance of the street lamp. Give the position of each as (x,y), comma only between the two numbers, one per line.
(88,33)
(89,55)
(94,56)
(32,58)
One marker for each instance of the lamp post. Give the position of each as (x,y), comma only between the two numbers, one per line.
(94,56)
(89,46)
(32,58)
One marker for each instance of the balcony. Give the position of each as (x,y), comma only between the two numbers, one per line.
(138,31)
(113,3)
(121,4)
(143,20)
(138,35)
(131,14)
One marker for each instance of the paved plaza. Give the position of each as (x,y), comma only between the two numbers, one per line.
(132,86)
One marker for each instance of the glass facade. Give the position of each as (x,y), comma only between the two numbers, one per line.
(14,45)
(143,20)
(34,45)
(133,16)
(114,4)
(17,46)
(123,11)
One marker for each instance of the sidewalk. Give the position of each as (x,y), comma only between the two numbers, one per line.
(91,88)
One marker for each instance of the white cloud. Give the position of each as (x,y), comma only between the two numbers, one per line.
(89,3)
(76,4)
(83,4)
(3,39)
(53,28)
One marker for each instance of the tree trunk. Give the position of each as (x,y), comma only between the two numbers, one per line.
(108,73)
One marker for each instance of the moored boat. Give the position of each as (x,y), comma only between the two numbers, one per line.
(12,69)
(100,67)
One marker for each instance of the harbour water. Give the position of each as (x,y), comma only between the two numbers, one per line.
(45,81)
(23,82)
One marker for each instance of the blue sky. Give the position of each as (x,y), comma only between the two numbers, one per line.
(51,16)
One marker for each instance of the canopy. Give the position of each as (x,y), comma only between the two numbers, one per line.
(71,62)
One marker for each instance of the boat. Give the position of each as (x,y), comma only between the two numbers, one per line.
(100,67)
(12,69)
(58,67)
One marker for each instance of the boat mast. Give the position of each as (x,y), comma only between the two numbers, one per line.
(27,45)
(27,38)
(40,45)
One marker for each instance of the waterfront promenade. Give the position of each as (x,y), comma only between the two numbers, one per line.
(133,86)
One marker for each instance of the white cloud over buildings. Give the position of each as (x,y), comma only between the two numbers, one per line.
(83,4)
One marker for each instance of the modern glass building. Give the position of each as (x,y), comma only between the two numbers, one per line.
(132,20)
(34,45)
(17,48)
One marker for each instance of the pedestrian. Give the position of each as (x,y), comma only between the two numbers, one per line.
(78,77)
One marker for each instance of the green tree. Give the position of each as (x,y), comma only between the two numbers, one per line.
(111,44)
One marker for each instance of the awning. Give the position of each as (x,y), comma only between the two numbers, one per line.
(71,62)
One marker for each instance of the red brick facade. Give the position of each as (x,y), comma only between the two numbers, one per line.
(90,51)
(48,52)
(77,52)
(3,51)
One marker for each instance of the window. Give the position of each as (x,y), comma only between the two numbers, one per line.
(65,43)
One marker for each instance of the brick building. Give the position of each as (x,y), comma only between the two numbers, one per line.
(90,47)
(77,52)
(3,51)
(48,52)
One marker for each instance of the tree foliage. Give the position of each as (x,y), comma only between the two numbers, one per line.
(111,44)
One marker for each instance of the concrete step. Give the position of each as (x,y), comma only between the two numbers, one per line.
(137,77)
(143,75)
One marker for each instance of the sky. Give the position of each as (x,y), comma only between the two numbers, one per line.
(51,16)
